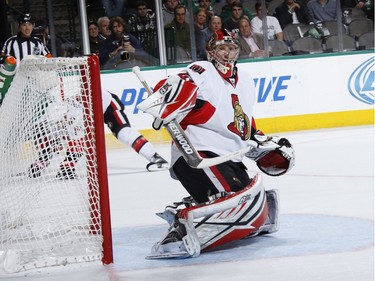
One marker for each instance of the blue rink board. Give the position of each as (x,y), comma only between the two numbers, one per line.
(299,235)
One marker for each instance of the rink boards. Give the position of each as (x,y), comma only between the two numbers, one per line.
(293,93)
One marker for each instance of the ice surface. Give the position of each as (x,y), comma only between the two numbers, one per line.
(326,230)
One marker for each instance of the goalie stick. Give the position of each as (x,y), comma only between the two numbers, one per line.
(183,143)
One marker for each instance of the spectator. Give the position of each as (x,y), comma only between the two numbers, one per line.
(182,33)
(142,25)
(121,47)
(104,31)
(207,6)
(113,8)
(168,11)
(231,24)
(321,10)
(96,42)
(214,25)
(201,33)
(24,43)
(291,12)
(197,4)
(367,6)
(273,26)
(41,30)
(250,45)
(226,11)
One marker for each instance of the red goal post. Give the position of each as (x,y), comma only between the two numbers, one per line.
(54,200)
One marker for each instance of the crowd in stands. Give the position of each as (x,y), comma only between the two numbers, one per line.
(123,40)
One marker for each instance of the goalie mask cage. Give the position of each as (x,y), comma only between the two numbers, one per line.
(54,205)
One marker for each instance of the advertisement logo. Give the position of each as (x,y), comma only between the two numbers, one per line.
(272,89)
(361,82)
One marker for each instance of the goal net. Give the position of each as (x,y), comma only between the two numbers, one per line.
(54,207)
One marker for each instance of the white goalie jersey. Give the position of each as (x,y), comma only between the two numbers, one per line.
(231,129)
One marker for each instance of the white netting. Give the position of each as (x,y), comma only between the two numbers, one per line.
(49,210)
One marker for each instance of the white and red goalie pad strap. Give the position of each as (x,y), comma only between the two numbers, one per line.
(173,100)
(229,218)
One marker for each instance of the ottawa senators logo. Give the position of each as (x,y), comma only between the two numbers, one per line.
(241,124)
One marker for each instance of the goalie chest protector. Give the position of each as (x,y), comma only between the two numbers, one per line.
(224,125)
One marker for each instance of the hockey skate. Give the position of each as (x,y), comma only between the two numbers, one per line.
(178,243)
(35,169)
(66,173)
(67,170)
(157,163)
(172,245)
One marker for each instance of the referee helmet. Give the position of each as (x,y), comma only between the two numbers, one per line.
(24,18)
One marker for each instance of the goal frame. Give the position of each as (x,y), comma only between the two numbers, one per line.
(54,204)
(104,203)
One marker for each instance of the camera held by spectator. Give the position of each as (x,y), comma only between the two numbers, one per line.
(124,55)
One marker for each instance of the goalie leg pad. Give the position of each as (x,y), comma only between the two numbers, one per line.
(271,225)
(223,220)
(237,222)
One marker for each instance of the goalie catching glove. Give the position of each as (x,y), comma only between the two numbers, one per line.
(173,100)
(273,155)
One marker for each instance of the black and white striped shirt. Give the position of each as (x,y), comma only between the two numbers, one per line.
(19,47)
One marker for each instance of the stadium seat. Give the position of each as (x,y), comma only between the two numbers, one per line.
(332,43)
(307,45)
(366,40)
(333,27)
(294,31)
(278,48)
(360,26)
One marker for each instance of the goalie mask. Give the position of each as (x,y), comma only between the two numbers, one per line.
(222,50)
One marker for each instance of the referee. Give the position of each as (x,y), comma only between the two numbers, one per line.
(24,43)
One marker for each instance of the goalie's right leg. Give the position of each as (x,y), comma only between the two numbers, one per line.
(206,226)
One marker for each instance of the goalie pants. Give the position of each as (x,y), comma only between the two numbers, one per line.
(202,183)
